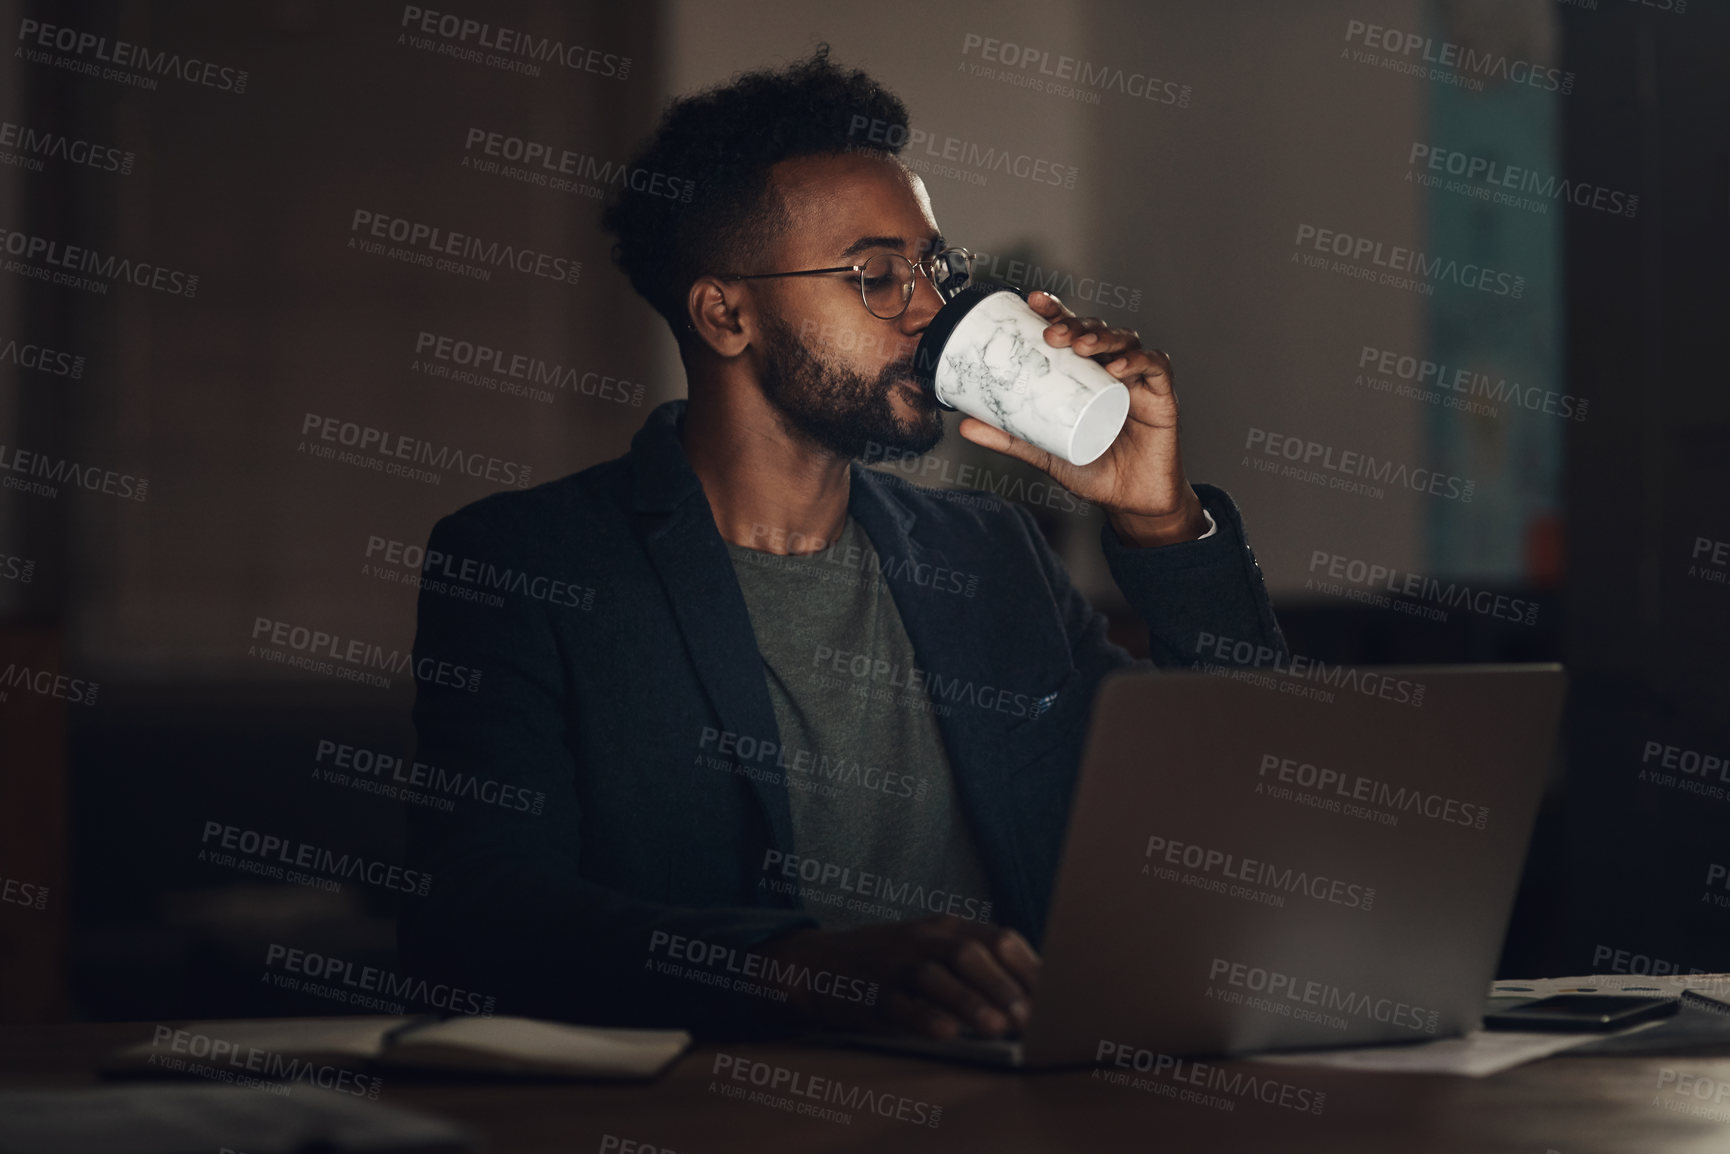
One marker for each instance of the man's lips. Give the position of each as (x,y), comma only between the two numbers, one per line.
(925,399)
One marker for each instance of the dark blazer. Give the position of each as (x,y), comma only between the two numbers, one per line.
(623,645)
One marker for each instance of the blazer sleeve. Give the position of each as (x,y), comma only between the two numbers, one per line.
(1194,596)
(509,914)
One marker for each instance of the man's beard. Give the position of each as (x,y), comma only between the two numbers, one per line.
(837,408)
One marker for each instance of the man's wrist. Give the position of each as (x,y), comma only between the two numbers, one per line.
(1141,531)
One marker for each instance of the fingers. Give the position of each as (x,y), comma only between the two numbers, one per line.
(991,437)
(985,973)
(940,976)
(1047,305)
(1090,336)
(1149,366)
(913,1012)
(959,975)
(1019,958)
(968,1000)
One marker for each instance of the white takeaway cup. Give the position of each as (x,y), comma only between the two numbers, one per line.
(984,353)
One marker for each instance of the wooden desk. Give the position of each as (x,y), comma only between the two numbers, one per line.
(1568,1105)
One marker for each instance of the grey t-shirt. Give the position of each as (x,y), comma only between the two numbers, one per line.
(877,827)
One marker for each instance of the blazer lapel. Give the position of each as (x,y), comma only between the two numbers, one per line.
(1001,640)
(677,529)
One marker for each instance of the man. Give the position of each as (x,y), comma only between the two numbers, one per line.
(805,753)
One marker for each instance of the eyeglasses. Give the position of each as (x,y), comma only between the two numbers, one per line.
(886,280)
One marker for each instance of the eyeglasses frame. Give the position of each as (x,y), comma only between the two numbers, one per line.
(926,265)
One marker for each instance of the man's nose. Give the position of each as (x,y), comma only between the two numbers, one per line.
(924,305)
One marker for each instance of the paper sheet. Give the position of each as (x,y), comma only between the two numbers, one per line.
(530,1046)
(353,1038)
(1651,985)
(1485,1052)
(1476,1055)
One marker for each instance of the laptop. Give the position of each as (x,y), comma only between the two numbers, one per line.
(1258,861)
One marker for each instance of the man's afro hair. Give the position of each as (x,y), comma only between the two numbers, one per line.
(723,141)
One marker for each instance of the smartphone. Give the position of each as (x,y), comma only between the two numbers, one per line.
(1582,1013)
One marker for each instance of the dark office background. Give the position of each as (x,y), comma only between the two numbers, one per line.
(1192,204)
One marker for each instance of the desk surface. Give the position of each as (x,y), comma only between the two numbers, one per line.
(1566,1105)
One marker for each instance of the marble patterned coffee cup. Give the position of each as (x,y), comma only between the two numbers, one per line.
(984,353)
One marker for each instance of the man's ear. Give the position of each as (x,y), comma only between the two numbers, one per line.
(716,312)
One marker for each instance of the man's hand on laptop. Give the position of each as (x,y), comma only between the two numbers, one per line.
(935,976)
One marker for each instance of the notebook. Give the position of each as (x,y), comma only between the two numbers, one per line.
(279,1048)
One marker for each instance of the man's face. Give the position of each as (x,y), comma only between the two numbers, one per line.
(836,374)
